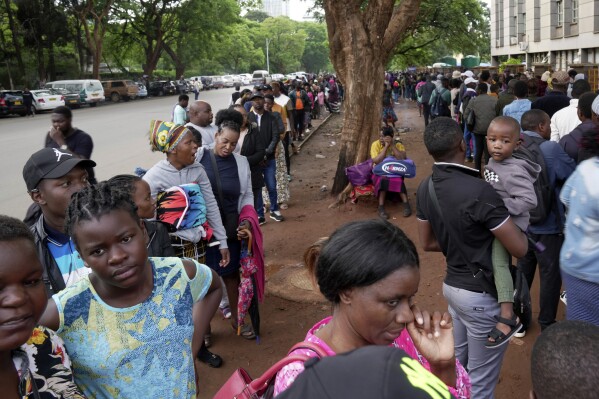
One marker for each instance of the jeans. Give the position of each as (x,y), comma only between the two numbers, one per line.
(269,172)
(286,143)
(480,147)
(549,273)
(298,118)
(473,317)
(468,138)
(196,94)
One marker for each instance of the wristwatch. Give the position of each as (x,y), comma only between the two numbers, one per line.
(64,147)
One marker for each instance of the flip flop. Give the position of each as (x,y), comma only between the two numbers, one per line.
(499,337)
(246,331)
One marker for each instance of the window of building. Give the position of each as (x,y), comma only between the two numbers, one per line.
(560,12)
(574,11)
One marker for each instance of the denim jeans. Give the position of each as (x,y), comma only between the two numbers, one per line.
(269,171)
(469,138)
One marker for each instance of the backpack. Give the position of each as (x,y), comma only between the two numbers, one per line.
(530,150)
(181,207)
(241,386)
(439,107)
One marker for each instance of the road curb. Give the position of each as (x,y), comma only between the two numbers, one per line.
(299,146)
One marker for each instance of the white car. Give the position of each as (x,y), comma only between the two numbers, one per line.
(228,79)
(277,76)
(45,100)
(246,78)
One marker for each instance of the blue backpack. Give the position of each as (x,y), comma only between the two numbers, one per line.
(392,167)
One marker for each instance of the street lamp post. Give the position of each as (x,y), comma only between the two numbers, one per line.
(9,75)
(267,59)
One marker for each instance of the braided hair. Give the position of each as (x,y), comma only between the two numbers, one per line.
(95,201)
(124,182)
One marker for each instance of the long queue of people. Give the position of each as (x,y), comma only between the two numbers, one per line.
(111,289)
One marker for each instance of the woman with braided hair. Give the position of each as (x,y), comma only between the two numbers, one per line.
(130,320)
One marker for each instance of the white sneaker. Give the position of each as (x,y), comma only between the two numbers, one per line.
(276,216)
(563,297)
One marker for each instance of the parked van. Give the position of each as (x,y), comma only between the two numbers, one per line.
(90,91)
(261,76)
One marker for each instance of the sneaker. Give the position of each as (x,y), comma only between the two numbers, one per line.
(276,216)
(289,177)
(521,333)
(261,220)
(226,312)
(382,213)
(563,297)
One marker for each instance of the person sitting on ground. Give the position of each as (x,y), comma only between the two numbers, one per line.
(369,270)
(35,363)
(379,150)
(51,177)
(521,104)
(513,179)
(130,320)
(563,361)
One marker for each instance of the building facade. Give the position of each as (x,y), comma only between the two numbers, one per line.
(276,8)
(546,34)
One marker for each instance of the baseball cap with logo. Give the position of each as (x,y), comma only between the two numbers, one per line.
(380,372)
(51,163)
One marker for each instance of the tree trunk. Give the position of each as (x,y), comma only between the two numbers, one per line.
(179,66)
(15,37)
(153,54)
(361,41)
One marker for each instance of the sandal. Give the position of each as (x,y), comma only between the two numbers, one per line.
(498,336)
(246,331)
(211,359)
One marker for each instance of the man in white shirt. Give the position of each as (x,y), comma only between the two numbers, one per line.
(200,118)
(566,119)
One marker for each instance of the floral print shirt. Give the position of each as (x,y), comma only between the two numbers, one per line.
(289,373)
(44,368)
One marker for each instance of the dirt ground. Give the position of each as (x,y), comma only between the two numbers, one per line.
(285,321)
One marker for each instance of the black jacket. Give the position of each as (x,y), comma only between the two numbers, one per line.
(159,241)
(268,134)
(52,276)
(254,150)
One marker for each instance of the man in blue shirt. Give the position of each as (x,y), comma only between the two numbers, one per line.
(52,176)
(549,232)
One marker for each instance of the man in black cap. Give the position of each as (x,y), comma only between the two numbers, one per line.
(52,175)
(380,372)
(267,143)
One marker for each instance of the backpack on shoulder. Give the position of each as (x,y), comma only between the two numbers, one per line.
(530,150)
(439,106)
(241,386)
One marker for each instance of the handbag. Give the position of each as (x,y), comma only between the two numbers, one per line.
(360,174)
(231,219)
(392,167)
(471,121)
(241,386)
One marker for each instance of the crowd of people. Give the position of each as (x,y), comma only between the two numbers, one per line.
(108,285)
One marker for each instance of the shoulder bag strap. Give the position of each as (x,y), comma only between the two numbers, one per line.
(433,196)
(310,346)
(260,383)
(219,186)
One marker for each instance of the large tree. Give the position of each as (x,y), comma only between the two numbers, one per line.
(362,39)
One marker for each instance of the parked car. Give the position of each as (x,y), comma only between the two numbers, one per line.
(90,90)
(228,80)
(116,90)
(207,82)
(45,100)
(182,86)
(161,88)
(277,77)
(218,82)
(260,76)
(11,102)
(143,92)
(246,78)
(192,82)
(71,99)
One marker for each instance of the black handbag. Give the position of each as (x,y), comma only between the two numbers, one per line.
(230,219)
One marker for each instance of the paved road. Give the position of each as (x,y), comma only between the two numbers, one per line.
(120,133)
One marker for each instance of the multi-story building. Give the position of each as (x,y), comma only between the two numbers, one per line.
(276,8)
(546,34)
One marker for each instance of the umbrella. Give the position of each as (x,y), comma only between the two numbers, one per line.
(248,301)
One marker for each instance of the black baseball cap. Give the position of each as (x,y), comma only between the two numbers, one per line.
(51,163)
(257,95)
(266,87)
(380,372)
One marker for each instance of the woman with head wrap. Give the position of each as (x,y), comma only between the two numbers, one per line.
(179,168)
